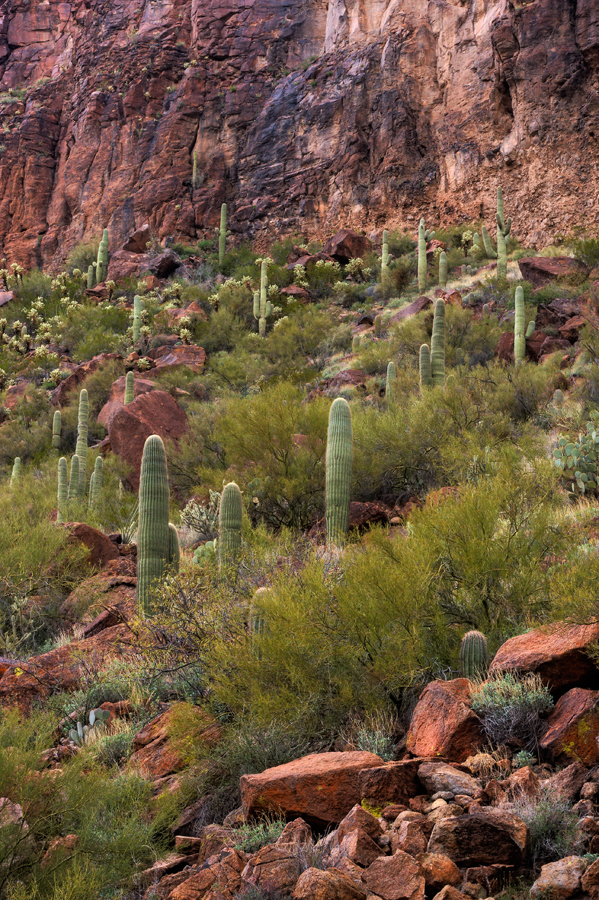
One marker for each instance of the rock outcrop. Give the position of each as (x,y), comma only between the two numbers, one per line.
(307,115)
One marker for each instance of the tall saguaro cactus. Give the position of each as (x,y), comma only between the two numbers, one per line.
(153,537)
(81,447)
(339,465)
(95,488)
(222,235)
(74,479)
(519,333)
(56,427)
(61,514)
(262,306)
(229,525)
(438,345)
(426,376)
(102,262)
(443,269)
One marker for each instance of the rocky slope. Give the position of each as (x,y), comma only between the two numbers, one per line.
(302,115)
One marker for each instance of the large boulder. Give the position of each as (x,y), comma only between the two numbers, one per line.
(413,308)
(116,400)
(316,884)
(397,877)
(346,245)
(573,727)
(219,876)
(395,782)
(438,776)
(558,654)
(59,396)
(541,270)
(559,880)
(443,723)
(157,753)
(99,546)
(321,787)
(188,355)
(481,838)
(153,413)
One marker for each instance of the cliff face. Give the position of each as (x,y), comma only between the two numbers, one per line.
(303,115)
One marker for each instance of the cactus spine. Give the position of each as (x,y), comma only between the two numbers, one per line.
(339,464)
(56,426)
(153,540)
(443,269)
(503,232)
(474,655)
(62,490)
(222,235)
(81,448)
(438,345)
(16,471)
(129,388)
(74,479)
(229,525)
(95,487)
(519,336)
(390,385)
(426,376)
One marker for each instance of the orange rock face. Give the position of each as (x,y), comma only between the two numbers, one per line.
(443,723)
(321,788)
(299,115)
(573,727)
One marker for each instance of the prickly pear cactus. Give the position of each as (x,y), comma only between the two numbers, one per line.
(339,466)
(474,655)
(153,539)
(229,525)
(576,461)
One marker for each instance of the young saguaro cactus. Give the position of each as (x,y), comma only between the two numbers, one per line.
(474,655)
(174,548)
(426,375)
(438,345)
(519,332)
(102,262)
(339,466)
(355,343)
(229,525)
(262,306)
(16,471)
(62,490)
(91,276)
(390,384)
(81,447)
(56,426)
(153,537)
(443,269)
(222,235)
(129,388)
(95,488)
(423,237)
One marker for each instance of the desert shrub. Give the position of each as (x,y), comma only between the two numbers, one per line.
(27,432)
(374,733)
(82,256)
(401,243)
(222,332)
(511,708)
(585,249)
(240,261)
(402,273)
(251,837)
(237,297)
(552,825)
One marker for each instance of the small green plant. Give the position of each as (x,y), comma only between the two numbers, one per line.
(254,835)
(522,759)
(576,461)
(511,707)
(81,734)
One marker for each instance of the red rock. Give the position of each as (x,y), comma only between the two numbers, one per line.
(296,292)
(59,396)
(454,298)
(437,776)
(59,848)
(138,241)
(6,297)
(572,728)
(358,817)
(566,783)
(174,862)
(316,884)
(101,549)
(62,669)
(346,245)
(156,754)
(590,880)
(569,330)
(321,788)
(438,871)
(106,619)
(184,355)
(481,838)
(541,270)
(347,377)
(521,783)
(443,723)
(363,515)
(117,397)
(398,877)
(295,832)
(557,654)
(417,306)
(505,347)
(409,837)
(559,880)
(449,893)
(221,872)
(126,264)
(356,846)
(534,344)
(153,413)
(277,868)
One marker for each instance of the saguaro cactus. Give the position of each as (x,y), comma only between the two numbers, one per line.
(56,426)
(102,262)
(91,276)
(229,525)
(95,488)
(438,345)
(222,235)
(489,249)
(16,471)
(262,306)
(355,343)
(423,237)
(174,548)
(426,376)
(62,490)
(339,465)
(474,656)
(129,388)
(81,447)
(503,232)
(390,385)
(153,540)
(74,479)
(519,335)
(443,268)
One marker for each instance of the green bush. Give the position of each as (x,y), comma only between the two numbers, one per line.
(585,249)
(552,826)
(251,837)
(511,708)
